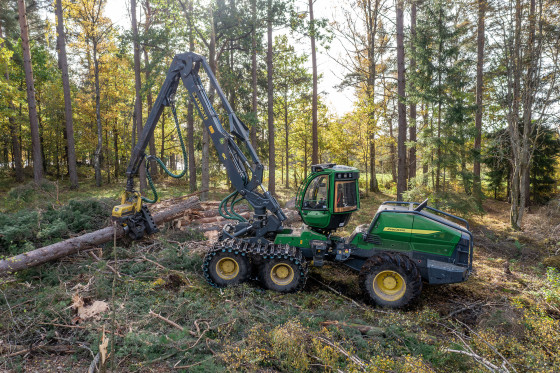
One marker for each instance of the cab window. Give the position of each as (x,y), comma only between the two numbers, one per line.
(345,196)
(316,194)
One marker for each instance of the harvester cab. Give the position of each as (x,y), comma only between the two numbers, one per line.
(328,197)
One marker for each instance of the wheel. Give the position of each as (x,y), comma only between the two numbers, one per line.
(390,280)
(227,268)
(282,275)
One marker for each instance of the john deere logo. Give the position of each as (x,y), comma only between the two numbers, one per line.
(406,230)
(222,140)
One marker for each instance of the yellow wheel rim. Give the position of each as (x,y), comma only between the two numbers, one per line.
(227,268)
(389,285)
(282,274)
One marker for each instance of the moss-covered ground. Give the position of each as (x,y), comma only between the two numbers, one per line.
(164,317)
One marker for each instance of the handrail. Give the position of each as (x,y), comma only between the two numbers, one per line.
(429,208)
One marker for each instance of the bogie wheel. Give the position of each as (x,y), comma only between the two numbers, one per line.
(282,275)
(227,268)
(390,280)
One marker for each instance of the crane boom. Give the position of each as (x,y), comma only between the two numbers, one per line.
(245,174)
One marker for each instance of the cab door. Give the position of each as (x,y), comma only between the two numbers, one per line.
(315,206)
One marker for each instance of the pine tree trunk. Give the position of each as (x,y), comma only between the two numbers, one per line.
(31,102)
(479,87)
(63,65)
(401,87)
(98,148)
(270,89)
(412,128)
(190,114)
(314,134)
(138,89)
(254,73)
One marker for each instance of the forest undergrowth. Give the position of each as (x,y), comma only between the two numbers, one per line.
(153,300)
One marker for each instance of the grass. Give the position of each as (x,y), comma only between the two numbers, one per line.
(507,317)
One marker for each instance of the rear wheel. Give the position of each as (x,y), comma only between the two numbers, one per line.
(282,275)
(390,280)
(227,268)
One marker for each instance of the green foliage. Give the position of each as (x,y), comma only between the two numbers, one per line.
(19,230)
(498,153)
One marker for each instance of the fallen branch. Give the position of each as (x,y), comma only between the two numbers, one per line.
(488,365)
(157,315)
(86,241)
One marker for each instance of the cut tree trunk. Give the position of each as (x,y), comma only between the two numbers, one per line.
(86,241)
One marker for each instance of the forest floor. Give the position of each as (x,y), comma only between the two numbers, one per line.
(163,316)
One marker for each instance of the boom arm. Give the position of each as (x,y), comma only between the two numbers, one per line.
(246,177)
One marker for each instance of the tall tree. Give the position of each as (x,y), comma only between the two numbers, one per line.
(16,145)
(149,97)
(138,89)
(254,91)
(270,105)
(479,87)
(190,109)
(314,137)
(412,128)
(31,102)
(63,65)
(401,88)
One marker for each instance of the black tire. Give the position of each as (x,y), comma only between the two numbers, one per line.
(227,268)
(390,280)
(282,275)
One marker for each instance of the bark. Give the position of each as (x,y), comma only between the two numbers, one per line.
(314,135)
(479,87)
(97,154)
(31,102)
(254,73)
(270,89)
(392,151)
(190,113)
(138,89)
(412,128)
(89,240)
(401,86)
(63,65)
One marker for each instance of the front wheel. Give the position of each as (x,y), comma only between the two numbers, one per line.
(225,268)
(390,280)
(282,275)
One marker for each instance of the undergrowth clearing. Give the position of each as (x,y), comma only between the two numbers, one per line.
(165,317)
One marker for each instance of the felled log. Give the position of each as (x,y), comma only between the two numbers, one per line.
(86,241)
(216,224)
